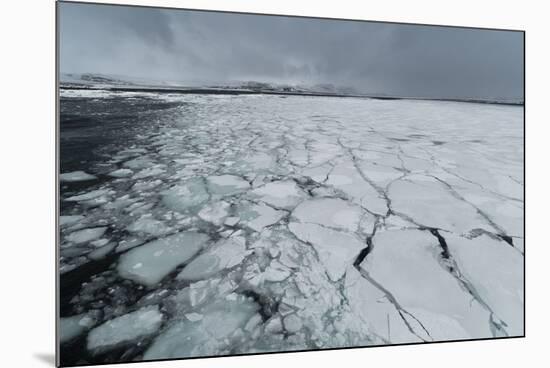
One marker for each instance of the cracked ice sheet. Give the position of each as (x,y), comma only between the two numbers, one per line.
(500,283)
(302,183)
(407,264)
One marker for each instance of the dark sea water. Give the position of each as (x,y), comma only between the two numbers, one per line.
(91,131)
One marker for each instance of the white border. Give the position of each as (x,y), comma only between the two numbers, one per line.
(27,181)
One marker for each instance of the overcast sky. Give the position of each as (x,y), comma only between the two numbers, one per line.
(204,47)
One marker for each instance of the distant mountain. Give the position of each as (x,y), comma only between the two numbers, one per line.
(112,82)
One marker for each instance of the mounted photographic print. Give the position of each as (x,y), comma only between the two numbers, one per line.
(235,183)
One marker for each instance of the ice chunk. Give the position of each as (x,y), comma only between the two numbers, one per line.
(146,185)
(99,242)
(121,173)
(148,225)
(274,325)
(150,263)
(224,254)
(499,284)
(336,249)
(430,203)
(215,212)
(94,194)
(226,184)
(70,220)
(346,178)
(276,272)
(76,176)
(329,212)
(72,327)
(139,163)
(86,235)
(259,216)
(205,336)
(417,280)
(125,329)
(152,171)
(280,194)
(128,243)
(184,197)
(292,323)
(370,305)
(100,253)
(231,221)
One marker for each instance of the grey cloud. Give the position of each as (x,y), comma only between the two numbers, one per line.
(194,47)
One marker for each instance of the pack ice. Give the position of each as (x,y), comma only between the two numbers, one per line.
(239,224)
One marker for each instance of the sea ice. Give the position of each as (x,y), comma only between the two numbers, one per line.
(224,254)
(150,263)
(101,252)
(86,235)
(74,326)
(121,173)
(329,212)
(336,249)
(70,220)
(259,216)
(226,185)
(186,196)
(417,280)
(499,284)
(76,176)
(220,321)
(94,194)
(148,225)
(215,212)
(283,194)
(124,329)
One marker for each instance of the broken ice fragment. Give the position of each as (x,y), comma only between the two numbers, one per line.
(417,280)
(94,194)
(70,220)
(215,212)
(336,249)
(72,327)
(85,235)
(124,329)
(226,184)
(499,284)
(224,254)
(280,194)
(160,257)
(100,253)
(292,323)
(205,336)
(76,176)
(259,216)
(329,212)
(184,197)
(148,225)
(231,221)
(121,173)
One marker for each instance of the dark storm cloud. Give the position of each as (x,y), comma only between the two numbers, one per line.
(195,47)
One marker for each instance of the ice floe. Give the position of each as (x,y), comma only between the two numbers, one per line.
(86,235)
(125,329)
(76,176)
(150,263)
